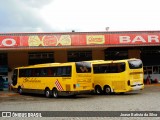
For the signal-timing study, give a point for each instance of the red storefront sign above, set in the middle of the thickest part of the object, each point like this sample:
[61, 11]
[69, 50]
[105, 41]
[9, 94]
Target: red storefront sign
[81, 39]
[135, 39]
[9, 41]
[46, 40]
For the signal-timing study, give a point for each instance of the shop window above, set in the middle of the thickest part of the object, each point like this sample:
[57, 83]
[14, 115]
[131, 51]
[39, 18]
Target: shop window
[116, 55]
[149, 55]
[39, 58]
[74, 56]
[155, 70]
[3, 64]
[3, 59]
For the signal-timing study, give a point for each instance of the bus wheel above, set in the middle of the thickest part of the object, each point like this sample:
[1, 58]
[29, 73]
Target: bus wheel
[20, 91]
[107, 90]
[47, 93]
[121, 93]
[55, 93]
[98, 90]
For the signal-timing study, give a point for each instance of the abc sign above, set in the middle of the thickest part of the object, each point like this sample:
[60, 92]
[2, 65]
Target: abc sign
[8, 42]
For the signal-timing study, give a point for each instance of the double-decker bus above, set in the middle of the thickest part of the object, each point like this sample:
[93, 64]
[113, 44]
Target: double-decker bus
[54, 79]
[117, 76]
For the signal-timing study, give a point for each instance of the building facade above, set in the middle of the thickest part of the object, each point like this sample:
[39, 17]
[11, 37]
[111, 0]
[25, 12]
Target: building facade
[21, 49]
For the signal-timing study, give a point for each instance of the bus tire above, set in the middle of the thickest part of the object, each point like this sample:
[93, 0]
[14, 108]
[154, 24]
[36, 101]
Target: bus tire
[73, 95]
[20, 91]
[47, 92]
[107, 90]
[121, 93]
[98, 90]
[55, 93]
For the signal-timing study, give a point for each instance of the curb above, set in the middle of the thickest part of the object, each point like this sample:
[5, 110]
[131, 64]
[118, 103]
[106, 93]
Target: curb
[152, 85]
[6, 93]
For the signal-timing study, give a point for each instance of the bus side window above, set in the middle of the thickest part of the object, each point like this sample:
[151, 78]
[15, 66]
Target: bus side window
[33, 73]
[52, 71]
[59, 71]
[64, 71]
[107, 69]
[96, 69]
[27, 72]
[121, 67]
[37, 72]
[113, 68]
[43, 72]
[68, 71]
[103, 69]
[21, 73]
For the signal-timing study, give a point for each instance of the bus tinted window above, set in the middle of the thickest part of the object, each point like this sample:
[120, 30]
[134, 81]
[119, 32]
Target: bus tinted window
[46, 72]
[134, 64]
[83, 67]
[109, 68]
[63, 71]
[25, 72]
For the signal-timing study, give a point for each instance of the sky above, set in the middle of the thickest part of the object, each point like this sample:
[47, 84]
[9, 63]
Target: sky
[79, 15]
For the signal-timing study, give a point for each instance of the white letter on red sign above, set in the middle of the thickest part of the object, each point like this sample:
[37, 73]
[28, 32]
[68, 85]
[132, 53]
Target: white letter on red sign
[12, 42]
[124, 39]
[153, 38]
[138, 38]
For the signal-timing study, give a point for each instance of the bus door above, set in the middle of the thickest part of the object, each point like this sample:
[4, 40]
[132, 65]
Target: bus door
[84, 75]
[14, 77]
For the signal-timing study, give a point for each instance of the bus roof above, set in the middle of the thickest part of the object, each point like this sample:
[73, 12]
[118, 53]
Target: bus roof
[42, 65]
[124, 60]
[111, 61]
[47, 65]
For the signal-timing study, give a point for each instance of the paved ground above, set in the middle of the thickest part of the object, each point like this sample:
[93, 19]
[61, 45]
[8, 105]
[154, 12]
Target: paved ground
[145, 100]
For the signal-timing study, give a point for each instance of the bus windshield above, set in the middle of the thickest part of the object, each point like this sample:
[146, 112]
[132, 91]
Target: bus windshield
[135, 64]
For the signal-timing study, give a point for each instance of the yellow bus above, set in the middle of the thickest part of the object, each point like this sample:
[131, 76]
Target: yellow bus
[54, 79]
[117, 76]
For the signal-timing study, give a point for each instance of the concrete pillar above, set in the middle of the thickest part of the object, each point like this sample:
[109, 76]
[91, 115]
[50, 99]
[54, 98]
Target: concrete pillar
[98, 55]
[60, 56]
[135, 53]
[16, 59]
